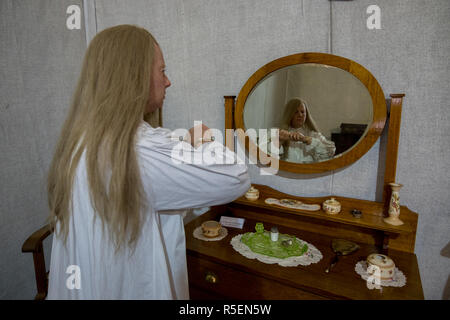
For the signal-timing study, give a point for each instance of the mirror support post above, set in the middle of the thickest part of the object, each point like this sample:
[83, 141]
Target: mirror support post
[392, 145]
[229, 117]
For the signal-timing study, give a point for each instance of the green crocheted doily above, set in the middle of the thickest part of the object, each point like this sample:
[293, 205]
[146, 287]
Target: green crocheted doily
[260, 242]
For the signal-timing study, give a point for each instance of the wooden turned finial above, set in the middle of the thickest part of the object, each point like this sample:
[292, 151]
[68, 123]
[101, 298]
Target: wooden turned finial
[392, 145]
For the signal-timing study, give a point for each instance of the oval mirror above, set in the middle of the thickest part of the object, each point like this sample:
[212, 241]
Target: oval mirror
[313, 112]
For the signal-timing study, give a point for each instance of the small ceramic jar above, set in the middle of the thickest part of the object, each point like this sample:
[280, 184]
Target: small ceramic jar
[380, 266]
[331, 206]
[274, 234]
[259, 227]
[211, 228]
[252, 194]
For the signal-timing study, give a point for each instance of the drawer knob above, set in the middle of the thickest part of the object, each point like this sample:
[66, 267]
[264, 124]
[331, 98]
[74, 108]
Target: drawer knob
[211, 277]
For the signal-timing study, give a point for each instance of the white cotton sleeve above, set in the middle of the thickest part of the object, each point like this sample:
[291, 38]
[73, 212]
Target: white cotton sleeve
[175, 184]
[324, 149]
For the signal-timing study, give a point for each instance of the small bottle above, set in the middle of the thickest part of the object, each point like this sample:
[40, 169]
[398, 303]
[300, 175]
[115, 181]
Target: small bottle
[274, 234]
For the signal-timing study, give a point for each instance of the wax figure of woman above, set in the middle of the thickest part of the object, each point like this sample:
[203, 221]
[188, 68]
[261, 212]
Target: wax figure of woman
[116, 195]
[301, 139]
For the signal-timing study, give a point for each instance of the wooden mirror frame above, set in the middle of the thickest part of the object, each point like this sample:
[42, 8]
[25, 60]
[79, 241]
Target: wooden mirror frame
[357, 70]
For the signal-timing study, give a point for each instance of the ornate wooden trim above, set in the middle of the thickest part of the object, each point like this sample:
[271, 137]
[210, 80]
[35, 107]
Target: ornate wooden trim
[369, 81]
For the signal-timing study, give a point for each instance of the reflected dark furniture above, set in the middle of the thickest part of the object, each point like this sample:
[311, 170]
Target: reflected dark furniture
[348, 137]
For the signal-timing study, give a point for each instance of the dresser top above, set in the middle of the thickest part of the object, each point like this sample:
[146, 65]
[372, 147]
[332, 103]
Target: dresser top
[341, 283]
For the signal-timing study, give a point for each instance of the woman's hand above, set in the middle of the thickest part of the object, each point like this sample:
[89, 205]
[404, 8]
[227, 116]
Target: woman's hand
[284, 135]
[203, 135]
[297, 136]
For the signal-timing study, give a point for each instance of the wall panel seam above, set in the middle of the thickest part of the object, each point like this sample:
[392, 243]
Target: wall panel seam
[90, 19]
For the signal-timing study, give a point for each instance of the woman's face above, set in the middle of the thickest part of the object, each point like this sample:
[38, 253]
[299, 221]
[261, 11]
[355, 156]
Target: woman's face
[159, 82]
[299, 117]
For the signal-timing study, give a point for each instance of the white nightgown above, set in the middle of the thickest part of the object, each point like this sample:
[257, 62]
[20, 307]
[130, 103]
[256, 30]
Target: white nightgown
[320, 148]
[157, 269]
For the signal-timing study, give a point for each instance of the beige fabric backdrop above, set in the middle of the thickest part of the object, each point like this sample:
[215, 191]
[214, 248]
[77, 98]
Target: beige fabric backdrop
[40, 61]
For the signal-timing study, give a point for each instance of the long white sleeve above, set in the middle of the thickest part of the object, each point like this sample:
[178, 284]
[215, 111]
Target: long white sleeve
[324, 149]
[156, 268]
[179, 185]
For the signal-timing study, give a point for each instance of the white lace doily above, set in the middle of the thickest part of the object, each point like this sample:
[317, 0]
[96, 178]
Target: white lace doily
[399, 279]
[198, 233]
[313, 255]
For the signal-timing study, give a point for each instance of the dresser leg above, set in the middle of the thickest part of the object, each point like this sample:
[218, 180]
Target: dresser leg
[385, 244]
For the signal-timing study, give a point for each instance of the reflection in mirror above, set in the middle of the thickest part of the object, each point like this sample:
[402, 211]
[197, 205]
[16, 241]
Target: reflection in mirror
[321, 112]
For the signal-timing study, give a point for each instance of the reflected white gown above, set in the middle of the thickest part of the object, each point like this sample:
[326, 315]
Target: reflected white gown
[320, 148]
[157, 269]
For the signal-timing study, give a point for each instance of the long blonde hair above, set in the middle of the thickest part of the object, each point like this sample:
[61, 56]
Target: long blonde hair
[107, 107]
[291, 108]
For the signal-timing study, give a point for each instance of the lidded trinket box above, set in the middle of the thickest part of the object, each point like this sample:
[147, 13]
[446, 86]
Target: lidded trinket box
[252, 193]
[380, 266]
[211, 228]
[331, 206]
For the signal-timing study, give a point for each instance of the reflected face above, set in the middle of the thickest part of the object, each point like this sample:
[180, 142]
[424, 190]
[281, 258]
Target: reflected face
[299, 117]
[159, 81]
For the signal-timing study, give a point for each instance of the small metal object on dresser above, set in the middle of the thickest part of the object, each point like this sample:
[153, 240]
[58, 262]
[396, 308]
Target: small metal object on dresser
[341, 247]
[211, 277]
[356, 213]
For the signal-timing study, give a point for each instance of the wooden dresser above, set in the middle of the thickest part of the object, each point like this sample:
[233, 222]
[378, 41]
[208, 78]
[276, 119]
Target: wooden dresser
[217, 271]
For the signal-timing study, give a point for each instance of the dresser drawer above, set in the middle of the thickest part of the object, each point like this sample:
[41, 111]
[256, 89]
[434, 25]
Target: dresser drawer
[230, 283]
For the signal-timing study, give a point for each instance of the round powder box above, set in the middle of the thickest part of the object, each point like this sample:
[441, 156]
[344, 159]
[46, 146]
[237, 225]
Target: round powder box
[211, 228]
[380, 266]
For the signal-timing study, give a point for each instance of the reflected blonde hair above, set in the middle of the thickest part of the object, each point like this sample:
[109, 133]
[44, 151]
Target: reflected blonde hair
[291, 108]
[107, 107]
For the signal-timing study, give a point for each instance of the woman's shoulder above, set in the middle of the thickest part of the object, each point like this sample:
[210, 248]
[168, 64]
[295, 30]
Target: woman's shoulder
[315, 134]
[147, 134]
